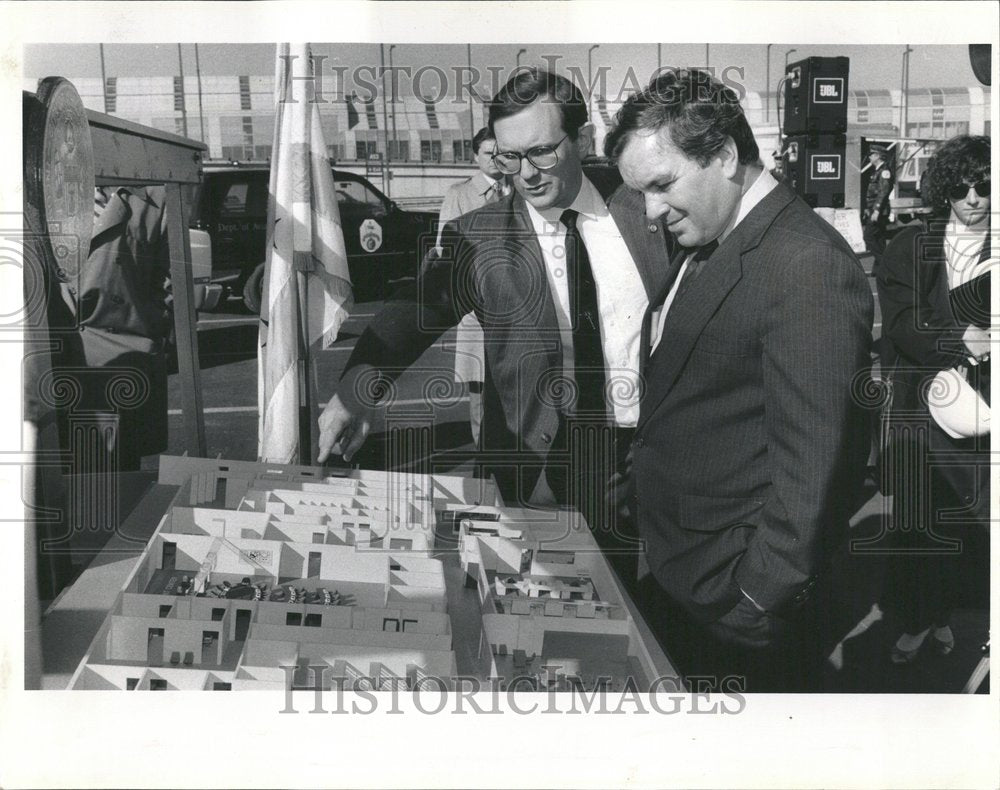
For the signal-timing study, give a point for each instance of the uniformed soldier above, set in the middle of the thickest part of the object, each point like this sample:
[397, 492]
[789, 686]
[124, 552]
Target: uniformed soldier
[876, 212]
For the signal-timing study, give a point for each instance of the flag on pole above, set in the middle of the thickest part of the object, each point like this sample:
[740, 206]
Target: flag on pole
[307, 288]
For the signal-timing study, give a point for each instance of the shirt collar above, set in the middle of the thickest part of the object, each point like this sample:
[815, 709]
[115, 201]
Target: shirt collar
[588, 202]
[489, 181]
[758, 190]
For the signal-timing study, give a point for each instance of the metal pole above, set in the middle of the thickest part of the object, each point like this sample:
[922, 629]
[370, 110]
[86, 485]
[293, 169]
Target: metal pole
[184, 113]
[780, 87]
[902, 88]
[104, 79]
[659, 57]
[395, 139]
[472, 120]
[767, 86]
[385, 126]
[706, 56]
[201, 111]
[590, 84]
[906, 92]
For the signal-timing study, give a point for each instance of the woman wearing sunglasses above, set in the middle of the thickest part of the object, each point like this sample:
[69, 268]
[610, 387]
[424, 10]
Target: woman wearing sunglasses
[934, 291]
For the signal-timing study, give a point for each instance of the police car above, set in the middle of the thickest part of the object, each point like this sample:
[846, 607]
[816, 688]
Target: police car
[229, 219]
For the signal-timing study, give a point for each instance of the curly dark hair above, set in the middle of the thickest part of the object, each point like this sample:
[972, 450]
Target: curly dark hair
[699, 111]
[962, 160]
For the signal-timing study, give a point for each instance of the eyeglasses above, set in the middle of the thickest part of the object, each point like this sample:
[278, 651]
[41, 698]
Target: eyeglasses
[542, 157]
[959, 191]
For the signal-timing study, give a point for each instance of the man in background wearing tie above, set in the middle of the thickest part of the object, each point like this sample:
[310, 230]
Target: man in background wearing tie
[750, 450]
[487, 186]
[559, 278]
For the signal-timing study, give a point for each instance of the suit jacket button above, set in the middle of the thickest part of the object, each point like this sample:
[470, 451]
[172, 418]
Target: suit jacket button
[653, 227]
[546, 438]
[639, 442]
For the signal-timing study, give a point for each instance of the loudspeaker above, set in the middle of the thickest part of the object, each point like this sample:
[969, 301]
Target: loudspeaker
[816, 96]
[979, 57]
[814, 168]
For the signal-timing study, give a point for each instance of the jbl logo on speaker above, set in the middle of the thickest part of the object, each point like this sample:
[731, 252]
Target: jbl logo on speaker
[824, 167]
[828, 90]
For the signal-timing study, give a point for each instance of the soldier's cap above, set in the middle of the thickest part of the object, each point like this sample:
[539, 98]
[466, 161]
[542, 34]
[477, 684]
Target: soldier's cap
[881, 150]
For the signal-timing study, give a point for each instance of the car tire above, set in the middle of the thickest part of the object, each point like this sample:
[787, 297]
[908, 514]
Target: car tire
[253, 290]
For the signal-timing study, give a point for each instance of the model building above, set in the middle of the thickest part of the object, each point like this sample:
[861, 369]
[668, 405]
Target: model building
[257, 574]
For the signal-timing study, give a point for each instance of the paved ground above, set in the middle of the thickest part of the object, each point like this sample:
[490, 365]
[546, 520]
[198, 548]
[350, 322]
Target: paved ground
[227, 341]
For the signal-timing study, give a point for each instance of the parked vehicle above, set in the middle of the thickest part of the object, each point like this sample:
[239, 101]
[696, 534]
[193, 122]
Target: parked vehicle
[384, 243]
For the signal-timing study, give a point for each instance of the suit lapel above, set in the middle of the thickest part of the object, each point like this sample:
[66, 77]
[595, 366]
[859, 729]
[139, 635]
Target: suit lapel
[935, 268]
[656, 302]
[686, 320]
[526, 281]
[688, 316]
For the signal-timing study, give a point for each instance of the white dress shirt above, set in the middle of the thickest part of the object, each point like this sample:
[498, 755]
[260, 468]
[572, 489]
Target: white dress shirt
[621, 295]
[758, 190]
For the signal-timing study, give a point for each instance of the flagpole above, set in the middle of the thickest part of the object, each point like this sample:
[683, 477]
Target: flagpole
[305, 385]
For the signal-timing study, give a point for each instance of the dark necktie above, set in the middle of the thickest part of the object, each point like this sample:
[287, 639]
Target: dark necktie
[588, 352]
[694, 267]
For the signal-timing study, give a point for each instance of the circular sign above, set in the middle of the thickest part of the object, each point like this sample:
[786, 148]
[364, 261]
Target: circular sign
[371, 235]
[66, 174]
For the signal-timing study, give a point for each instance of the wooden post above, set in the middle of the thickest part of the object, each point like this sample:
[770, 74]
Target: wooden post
[188, 364]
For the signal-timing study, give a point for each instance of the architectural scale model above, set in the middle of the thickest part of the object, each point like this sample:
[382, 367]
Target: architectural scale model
[257, 573]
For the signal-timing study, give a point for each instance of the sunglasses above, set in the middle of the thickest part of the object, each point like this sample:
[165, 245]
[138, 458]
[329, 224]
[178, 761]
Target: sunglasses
[959, 191]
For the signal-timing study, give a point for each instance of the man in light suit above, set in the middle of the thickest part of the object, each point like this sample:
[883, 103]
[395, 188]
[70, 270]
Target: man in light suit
[487, 186]
[750, 449]
[562, 338]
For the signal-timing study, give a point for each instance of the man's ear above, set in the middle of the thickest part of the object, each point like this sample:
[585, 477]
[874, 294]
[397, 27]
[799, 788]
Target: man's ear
[729, 158]
[584, 139]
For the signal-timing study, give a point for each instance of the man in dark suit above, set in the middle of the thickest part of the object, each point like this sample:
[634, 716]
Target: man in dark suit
[561, 309]
[115, 351]
[750, 448]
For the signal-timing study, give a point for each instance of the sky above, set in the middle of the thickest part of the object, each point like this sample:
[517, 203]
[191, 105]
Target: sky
[871, 66]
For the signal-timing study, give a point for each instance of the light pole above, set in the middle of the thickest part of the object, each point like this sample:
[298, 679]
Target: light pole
[104, 78]
[659, 58]
[767, 86]
[392, 83]
[518, 58]
[472, 121]
[590, 83]
[904, 102]
[184, 112]
[201, 110]
[386, 172]
[706, 56]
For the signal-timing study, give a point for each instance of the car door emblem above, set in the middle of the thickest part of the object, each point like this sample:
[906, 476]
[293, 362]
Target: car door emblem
[371, 235]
